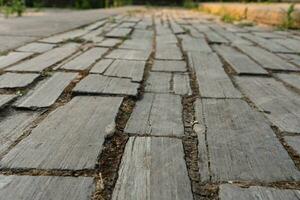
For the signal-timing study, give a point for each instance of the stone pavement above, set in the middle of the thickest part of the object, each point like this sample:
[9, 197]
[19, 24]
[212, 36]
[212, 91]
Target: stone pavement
[154, 104]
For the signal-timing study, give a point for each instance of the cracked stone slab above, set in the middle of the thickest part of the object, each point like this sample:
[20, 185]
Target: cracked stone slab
[127, 54]
[46, 187]
[157, 114]
[14, 80]
[137, 44]
[169, 66]
[241, 146]
[99, 84]
[46, 92]
[71, 137]
[109, 42]
[281, 106]
[168, 52]
[5, 99]
[232, 192]
[118, 33]
[36, 47]
[292, 44]
[293, 58]
[85, 60]
[132, 69]
[13, 58]
[266, 59]
[294, 142]
[194, 44]
[65, 36]
[291, 79]
[153, 168]
[212, 36]
[48, 59]
[241, 63]
[101, 66]
[12, 127]
[212, 79]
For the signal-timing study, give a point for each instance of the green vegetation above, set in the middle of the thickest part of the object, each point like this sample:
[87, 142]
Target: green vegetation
[10, 7]
[190, 4]
[227, 18]
[289, 21]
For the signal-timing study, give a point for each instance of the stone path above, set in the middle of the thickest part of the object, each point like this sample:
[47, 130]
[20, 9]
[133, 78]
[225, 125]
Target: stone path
[155, 104]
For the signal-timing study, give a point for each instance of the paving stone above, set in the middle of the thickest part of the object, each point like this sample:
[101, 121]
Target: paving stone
[14, 80]
[293, 58]
[212, 80]
[127, 54]
[94, 36]
[294, 142]
[13, 58]
[181, 84]
[69, 138]
[127, 25]
[241, 145]
[291, 79]
[153, 168]
[109, 42]
[281, 105]
[65, 36]
[101, 66]
[241, 63]
[138, 44]
[289, 43]
[169, 66]
[86, 59]
[166, 39]
[5, 99]
[212, 36]
[132, 69]
[36, 47]
[142, 34]
[99, 84]
[46, 187]
[267, 59]
[157, 114]
[176, 28]
[158, 82]
[95, 25]
[195, 44]
[13, 125]
[48, 59]
[47, 92]
[119, 33]
[232, 192]
[168, 52]
[193, 32]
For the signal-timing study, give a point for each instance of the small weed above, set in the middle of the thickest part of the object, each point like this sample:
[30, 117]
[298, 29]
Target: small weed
[289, 21]
[227, 18]
[190, 4]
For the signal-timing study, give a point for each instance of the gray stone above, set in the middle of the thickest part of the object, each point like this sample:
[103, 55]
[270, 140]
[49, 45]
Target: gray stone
[127, 25]
[176, 28]
[5, 99]
[292, 44]
[9, 42]
[293, 58]
[47, 92]
[36, 47]
[291, 79]
[137, 44]
[65, 36]
[294, 142]
[14, 80]
[166, 39]
[85, 60]
[232, 192]
[96, 25]
[47, 59]
[153, 168]
[109, 42]
[101, 66]
[168, 52]
[119, 33]
[157, 114]
[158, 82]
[132, 69]
[211, 35]
[280, 105]
[169, 66]
[212, 80]
[99, 84]
[142, 34]
[194, 44]
[69, 138]
[241, 145]
[12, 126]
[241, 63]
[46, 187]
[13, 58]
[181, 84]
[130, 54]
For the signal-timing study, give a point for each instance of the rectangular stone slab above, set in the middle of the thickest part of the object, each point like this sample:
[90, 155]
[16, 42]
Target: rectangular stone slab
[157, 114]
[36, 47]
[169, 66]
[119, 33]
[194, 44]
[294, 142]
[85, 60]
[101, 66]
[99, 84]
[266, 59]
[291, 79]
[138, 44]
[12, 127]
[69, 138]
[181, 84]
[241, 63]
[109, 42]
[158, 82]
[132, 69]
[212, 80]
[65, 36]
[46, 187]
[292, 44]
[41, 62]
[241, 145]
[153, 168]
[293, 58]
[14, 80]
[168, 52]
[47, 92]
[127, 54]
[232, 192]
[13, 58]
[281, 106]
[5, 99]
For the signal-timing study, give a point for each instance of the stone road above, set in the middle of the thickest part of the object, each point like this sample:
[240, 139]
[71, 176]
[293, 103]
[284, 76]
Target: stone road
[152, 104]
